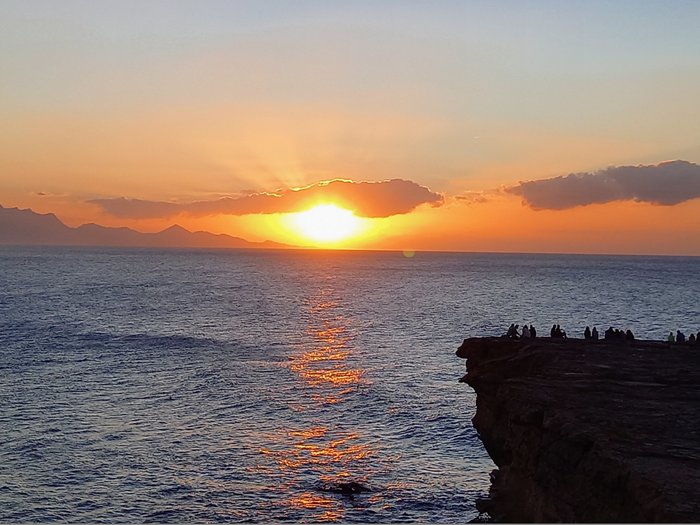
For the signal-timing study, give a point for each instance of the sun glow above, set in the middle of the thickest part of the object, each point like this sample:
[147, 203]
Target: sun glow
[326, 223]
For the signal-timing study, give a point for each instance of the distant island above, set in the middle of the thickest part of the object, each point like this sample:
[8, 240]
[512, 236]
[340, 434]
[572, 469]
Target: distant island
[26, 227]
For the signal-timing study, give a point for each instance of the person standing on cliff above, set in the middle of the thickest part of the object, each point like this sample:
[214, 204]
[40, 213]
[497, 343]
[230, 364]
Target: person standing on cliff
[671, 338]
[594, 334]
[553, 331]
[587, 333]
[526, 332]
[533, 332]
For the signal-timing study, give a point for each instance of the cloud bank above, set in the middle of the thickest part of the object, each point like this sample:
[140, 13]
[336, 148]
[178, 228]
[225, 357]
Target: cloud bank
[664, 184]
[366, 199]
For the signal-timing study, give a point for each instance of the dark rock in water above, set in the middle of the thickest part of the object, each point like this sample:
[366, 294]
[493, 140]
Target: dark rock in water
[591, 431]
[347, 488]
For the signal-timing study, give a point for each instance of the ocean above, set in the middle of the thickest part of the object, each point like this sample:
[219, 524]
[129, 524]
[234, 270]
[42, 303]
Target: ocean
[231, 385]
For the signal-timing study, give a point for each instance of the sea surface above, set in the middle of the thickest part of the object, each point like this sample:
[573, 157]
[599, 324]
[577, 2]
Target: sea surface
[184, 385]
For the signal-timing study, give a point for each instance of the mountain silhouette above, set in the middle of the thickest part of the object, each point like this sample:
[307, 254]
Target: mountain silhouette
[28, 227]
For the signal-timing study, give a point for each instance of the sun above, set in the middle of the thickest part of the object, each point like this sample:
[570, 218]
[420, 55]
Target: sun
[325, 223]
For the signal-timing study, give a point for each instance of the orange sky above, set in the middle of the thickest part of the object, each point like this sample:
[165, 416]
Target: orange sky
[461, 101]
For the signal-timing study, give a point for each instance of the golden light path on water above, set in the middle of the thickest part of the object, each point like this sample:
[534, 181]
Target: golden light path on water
[334, 455]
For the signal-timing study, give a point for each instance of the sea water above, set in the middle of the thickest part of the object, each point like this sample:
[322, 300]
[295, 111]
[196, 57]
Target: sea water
[194, 385]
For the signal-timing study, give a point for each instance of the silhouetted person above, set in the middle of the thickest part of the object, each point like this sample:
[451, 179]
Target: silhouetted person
[691, 338]
[553, 331]
[594, 334]
[558, 332]
[526, 332]
[609, 333]
[671, 338]
[629, 336]
[587, 333]
[533, 332]
[513, 331]
[680, 337]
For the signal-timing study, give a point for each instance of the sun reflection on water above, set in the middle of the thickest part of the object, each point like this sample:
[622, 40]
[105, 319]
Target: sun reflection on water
[316, 465]
[327, 507]
[323, 364]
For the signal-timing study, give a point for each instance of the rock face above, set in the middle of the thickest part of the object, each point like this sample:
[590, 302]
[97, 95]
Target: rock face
[587, 431]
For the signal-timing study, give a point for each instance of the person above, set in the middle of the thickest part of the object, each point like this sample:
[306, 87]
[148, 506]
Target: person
[533, 332]
[629, 336]
[671, 338]
[512, 331]
[680, 337]
[587, 333]
[609, 333]
[558, 332]
[553, 331]
[526, 332]
[691, 338]
[594, 334]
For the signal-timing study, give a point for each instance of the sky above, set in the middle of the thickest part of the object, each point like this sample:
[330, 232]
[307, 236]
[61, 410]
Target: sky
[509, 126]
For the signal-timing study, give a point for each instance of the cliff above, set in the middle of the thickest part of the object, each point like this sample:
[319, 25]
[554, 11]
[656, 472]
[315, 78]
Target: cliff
[585, 431]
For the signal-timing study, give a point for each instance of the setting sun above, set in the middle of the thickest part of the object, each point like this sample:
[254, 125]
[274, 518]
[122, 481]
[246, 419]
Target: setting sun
[325, 223]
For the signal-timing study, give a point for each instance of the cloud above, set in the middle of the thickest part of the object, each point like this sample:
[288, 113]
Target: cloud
[48, 194]
[665, 184]
[366, 199]
[479, 197]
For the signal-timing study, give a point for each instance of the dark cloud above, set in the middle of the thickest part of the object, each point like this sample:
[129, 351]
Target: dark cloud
[366, 199]
[666, 184]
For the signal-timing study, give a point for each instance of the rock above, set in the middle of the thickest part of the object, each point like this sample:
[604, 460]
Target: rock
[346, 487]
[588, 431]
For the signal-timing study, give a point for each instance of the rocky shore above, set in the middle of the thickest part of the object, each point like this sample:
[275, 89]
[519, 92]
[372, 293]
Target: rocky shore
[588, 431]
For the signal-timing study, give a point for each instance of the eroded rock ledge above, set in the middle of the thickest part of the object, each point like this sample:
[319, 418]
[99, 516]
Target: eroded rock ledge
[586, 431]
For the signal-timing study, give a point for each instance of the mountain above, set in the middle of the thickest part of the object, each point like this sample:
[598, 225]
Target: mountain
[28, 227]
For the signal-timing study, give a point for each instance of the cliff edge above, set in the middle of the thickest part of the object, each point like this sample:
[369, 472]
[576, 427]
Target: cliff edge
[588, 431]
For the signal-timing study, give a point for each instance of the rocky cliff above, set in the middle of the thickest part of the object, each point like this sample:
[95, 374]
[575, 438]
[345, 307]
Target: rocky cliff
[585, 431]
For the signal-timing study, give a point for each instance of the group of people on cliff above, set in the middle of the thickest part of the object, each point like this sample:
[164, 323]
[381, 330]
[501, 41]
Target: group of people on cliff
[611, 334]
[527, 332]
[557, 333]
[681, 338]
